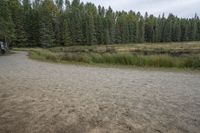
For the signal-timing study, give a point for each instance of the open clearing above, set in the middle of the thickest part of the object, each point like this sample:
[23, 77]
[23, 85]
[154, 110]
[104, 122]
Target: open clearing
[39, 97]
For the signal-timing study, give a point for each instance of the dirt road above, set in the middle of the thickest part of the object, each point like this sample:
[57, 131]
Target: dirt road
[39, 97]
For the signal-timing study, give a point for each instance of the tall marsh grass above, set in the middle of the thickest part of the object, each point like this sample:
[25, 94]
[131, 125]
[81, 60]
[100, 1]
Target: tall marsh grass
[44, 54]
[187, 61]
[102, 55]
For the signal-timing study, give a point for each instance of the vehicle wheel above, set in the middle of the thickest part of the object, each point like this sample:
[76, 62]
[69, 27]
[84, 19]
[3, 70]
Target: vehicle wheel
[3, 51]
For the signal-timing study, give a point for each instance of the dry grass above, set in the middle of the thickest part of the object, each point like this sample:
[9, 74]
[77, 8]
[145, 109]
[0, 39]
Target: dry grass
[187, 47]
[178, 55]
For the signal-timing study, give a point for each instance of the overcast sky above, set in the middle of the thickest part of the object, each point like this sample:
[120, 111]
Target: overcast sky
[181, 8]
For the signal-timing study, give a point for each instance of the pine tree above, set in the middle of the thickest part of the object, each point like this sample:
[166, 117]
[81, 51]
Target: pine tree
[99, 29]
[67, 40]
[110, 18]
[184, 30]
[27, 20]
[47, 36]
[17, 17]
[7, 29]
[124, 30]
[149, 28]
[198, 29]
[132, 22]
[90, 30]
[35, 27]
[167, 29]
[118, 37]
[106, 35]
[21, 39]
[177, 33]
[140, 29]
[193, 30]
[76, 23]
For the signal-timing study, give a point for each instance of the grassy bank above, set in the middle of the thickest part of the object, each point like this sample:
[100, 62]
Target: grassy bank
[186, 55]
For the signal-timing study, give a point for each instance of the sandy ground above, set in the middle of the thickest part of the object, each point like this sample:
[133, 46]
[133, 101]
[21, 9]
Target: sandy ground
[39, 97]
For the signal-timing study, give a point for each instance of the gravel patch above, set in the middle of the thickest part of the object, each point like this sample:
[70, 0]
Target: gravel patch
[40, 97]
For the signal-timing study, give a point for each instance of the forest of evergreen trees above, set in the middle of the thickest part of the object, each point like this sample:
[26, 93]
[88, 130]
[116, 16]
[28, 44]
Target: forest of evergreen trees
[48, 23]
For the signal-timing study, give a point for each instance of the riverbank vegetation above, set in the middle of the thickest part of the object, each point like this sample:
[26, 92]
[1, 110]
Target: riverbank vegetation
[176, 55]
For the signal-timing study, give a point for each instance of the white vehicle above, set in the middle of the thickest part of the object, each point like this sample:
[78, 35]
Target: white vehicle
[3, 47]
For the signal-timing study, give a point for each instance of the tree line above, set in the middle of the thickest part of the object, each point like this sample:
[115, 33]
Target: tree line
[49, 23]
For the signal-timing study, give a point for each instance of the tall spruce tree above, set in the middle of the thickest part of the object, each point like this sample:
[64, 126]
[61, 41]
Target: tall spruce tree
[132, 22]
[47, 35]
[140, 28]
[7, 27]
[17, 17]
[76, 22]
[110, 18]
[67, 40]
